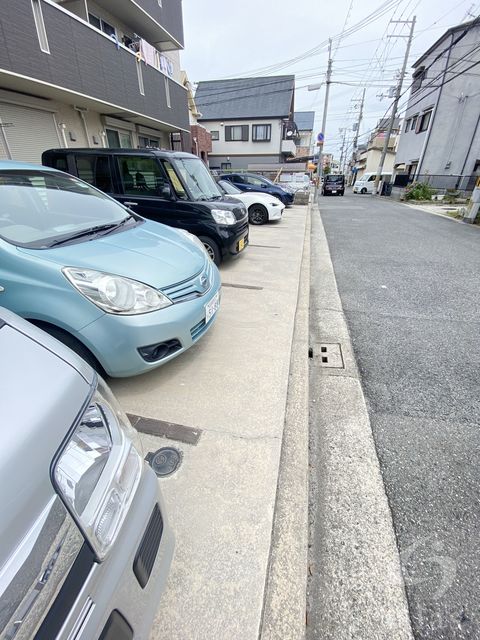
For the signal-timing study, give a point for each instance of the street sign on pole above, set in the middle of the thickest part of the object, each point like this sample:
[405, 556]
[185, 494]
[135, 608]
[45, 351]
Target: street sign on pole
[320, 138]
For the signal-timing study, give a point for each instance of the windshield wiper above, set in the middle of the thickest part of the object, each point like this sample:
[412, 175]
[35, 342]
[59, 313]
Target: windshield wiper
[90, 231]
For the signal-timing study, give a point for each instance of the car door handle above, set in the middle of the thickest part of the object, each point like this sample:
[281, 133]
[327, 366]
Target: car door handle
[130, 204]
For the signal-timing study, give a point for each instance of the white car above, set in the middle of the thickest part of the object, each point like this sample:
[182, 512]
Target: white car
[262, 207]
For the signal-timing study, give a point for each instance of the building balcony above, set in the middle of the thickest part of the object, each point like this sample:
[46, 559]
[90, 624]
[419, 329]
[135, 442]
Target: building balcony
[80, 65]
[160, 25]
[289, 148]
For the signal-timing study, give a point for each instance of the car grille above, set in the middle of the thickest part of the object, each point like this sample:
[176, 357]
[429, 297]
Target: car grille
[147, 551]
[192, 288]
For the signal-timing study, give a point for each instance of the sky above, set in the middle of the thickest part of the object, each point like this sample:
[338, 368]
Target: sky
[226, 39]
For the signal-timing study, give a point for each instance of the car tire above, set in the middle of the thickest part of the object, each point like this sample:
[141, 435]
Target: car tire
[75, 345]
[363, 191]
[212, 249]
[257, 214]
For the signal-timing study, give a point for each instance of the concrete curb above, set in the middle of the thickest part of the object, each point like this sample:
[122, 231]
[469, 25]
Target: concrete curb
[286, 581]
[356, 588]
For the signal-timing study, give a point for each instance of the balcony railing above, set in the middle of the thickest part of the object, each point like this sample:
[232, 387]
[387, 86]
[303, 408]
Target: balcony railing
[289, 147]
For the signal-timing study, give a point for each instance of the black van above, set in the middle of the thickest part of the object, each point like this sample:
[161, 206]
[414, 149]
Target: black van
[333, 185]
[171, 187]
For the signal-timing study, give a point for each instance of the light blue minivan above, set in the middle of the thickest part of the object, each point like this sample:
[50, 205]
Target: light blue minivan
[125, 293]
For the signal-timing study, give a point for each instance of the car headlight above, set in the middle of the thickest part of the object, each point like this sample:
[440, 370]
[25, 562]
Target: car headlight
[116, 294]
[222, 216]
[98, 471]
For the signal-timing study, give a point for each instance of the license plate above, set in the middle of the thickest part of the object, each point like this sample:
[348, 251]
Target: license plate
[241, 244]
[212, 307]
[334, 191]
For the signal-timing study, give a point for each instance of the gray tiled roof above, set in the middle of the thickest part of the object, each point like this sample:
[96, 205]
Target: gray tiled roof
[269, 97]
[304, 120]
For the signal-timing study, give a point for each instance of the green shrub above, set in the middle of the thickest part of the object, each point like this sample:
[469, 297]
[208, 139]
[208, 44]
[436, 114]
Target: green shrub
[419, 191]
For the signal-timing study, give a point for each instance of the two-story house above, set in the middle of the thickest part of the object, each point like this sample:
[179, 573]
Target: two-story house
[90, 73]
[250, 121]
[440, 140]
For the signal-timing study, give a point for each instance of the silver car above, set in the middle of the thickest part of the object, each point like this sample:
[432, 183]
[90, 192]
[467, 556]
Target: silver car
[85, 549]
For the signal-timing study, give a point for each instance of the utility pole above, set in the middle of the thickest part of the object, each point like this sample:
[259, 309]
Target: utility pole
[343, 149]
[398, 92]
[325, 110]
[357, 133]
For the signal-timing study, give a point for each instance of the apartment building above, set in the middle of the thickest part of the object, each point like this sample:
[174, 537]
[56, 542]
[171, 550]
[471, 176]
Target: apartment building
[250, 121]
[440, 140]
[90, 73]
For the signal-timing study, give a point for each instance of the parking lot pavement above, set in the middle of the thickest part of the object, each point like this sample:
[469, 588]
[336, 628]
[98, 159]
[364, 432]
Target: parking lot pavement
[232, 386]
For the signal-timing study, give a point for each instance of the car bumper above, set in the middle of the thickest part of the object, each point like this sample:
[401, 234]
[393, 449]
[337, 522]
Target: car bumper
[275, 213]
[112, 585]
[235, 240]
[115, 340]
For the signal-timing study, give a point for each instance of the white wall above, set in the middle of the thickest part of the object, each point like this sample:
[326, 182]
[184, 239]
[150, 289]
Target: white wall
[220, 147]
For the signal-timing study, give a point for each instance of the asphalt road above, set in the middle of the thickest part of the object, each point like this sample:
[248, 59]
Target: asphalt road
[409, 282]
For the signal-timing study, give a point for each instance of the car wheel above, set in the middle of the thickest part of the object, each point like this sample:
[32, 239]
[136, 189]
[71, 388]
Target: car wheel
[257, 214]
[212, 249]
[75, 345]
[363, 191]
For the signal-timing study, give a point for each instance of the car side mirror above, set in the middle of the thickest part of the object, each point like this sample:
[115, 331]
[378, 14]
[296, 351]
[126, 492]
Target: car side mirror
[166, 192]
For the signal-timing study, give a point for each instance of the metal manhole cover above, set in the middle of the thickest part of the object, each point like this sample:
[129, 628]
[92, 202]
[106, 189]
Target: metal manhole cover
[165, 461]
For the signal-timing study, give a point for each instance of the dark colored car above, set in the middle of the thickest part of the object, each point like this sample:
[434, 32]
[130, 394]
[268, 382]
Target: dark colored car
[170, 187]
[253, 182]
[333, 185]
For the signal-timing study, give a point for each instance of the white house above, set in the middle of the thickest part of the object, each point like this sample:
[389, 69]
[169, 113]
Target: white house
[250, 121]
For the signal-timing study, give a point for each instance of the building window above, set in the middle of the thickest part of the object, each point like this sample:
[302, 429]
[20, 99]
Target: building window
[167, 92]
[424, 121]
[101, 25]
[236, 133]
[414, 123]
[418, 78]
[40, 26]
[261, 132]
[407, 125]
[224, 166]
[118, 139]
[144, 142]
[176, 141]
[215, 135]
[141, 86]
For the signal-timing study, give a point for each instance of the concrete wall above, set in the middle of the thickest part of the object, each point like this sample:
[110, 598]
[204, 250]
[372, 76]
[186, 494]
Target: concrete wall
[235, 148]
[243, 162]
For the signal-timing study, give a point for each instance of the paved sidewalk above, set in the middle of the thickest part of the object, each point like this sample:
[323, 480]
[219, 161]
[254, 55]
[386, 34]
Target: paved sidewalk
[232, 386]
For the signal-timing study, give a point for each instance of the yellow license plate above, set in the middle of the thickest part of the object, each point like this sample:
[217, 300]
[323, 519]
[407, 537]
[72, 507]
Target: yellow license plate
[241, 244]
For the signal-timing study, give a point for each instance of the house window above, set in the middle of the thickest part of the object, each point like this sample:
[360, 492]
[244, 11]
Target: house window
[176, 141]
[215, 135]
[101, 25]
[418, 78]
[414, 123]
[424, 121]
[167, 92]
[262, 132]
[407, 125]
[225, 166]
[144, 142]
[236, 133]
[40, 26]
[118, 139]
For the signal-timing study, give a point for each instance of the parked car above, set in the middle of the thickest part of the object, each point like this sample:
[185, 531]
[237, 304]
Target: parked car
[85, 547]
[366, 182]
[262, 207]
[171, 187]
[125, 293]
[333, 185]
[253, 182]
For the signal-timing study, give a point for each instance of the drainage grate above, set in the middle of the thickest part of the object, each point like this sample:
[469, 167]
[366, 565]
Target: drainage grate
[330, 355]
[165, 461]
[169, 430]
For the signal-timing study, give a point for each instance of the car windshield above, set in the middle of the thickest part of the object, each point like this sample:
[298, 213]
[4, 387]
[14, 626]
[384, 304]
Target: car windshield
[229, 188]
[334, 178]
[197, 178]
[40, 208]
